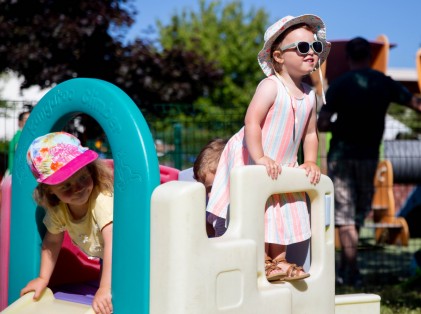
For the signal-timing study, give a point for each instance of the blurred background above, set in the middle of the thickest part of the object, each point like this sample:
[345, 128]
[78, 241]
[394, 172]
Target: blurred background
[190, 66]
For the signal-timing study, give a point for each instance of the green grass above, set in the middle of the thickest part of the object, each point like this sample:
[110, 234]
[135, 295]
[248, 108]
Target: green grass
[401, 298]
[387, 272]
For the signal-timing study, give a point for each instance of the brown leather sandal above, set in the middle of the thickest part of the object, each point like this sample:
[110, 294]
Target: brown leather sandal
[293, 271]
[272, 271]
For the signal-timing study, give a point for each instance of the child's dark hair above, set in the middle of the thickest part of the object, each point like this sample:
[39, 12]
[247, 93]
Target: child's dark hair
[22, 115]
[102, 176]
[358, 49]
[27, 109]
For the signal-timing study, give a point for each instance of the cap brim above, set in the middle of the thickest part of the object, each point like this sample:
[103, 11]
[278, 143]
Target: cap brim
[70, 168]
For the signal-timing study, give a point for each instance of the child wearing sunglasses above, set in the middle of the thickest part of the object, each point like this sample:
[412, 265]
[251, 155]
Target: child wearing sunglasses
[76, 190]
[281, 115]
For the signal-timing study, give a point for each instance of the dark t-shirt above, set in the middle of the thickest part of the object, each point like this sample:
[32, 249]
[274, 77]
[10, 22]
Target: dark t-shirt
[360, 99]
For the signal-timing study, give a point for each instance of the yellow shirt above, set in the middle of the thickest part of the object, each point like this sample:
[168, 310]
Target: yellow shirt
[84, 232]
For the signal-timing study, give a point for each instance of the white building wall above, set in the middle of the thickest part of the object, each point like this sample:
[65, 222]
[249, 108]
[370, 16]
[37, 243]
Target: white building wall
[10, 90]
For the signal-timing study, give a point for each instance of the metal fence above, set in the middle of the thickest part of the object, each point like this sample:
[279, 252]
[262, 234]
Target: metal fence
[178, 141]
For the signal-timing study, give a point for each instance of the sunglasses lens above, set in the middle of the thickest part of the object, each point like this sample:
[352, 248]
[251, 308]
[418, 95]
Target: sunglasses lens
[317, 47]
[303, 47]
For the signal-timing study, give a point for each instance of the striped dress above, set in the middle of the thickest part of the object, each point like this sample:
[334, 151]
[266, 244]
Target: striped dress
[286, 216]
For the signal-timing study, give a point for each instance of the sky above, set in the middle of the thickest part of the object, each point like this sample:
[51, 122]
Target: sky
[400, 21]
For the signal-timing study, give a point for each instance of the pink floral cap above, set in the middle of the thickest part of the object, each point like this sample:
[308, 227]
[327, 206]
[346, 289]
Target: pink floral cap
[55, 157]
[273, 32]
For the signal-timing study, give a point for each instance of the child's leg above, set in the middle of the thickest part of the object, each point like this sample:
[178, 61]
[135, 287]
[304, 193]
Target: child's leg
[274, 250]
[273, 272]
[292, 271]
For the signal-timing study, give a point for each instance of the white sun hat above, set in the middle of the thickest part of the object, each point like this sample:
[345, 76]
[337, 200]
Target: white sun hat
[275, 30]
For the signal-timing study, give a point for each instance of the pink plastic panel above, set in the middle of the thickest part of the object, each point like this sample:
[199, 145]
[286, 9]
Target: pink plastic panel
[6, 193]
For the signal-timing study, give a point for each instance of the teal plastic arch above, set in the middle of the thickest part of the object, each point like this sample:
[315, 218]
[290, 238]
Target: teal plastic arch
[136, 176]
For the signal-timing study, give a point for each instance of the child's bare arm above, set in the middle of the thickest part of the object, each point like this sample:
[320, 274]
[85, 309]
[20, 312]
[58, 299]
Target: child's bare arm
[102, 301]
[259, 106]
[310, 148]
[51, 246]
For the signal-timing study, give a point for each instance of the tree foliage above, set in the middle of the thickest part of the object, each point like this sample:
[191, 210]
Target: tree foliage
[50, 41]
[169, 76]
[228, 36]
[408, 117]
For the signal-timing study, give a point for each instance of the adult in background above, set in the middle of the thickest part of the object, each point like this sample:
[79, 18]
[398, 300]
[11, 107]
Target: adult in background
[359, 99]
[13, 144]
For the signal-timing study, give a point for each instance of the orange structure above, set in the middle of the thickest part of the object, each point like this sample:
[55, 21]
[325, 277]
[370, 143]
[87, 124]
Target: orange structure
[389, 228]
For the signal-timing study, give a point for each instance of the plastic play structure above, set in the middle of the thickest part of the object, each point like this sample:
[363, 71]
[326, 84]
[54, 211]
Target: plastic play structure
[163, 261]
[389, 228]
[73, 266]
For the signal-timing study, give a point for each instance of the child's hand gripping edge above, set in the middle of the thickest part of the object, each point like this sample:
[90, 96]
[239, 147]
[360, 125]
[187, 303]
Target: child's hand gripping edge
[312, 171]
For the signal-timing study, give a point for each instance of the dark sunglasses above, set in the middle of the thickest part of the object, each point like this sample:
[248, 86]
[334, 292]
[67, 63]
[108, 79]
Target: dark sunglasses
[303, 47]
